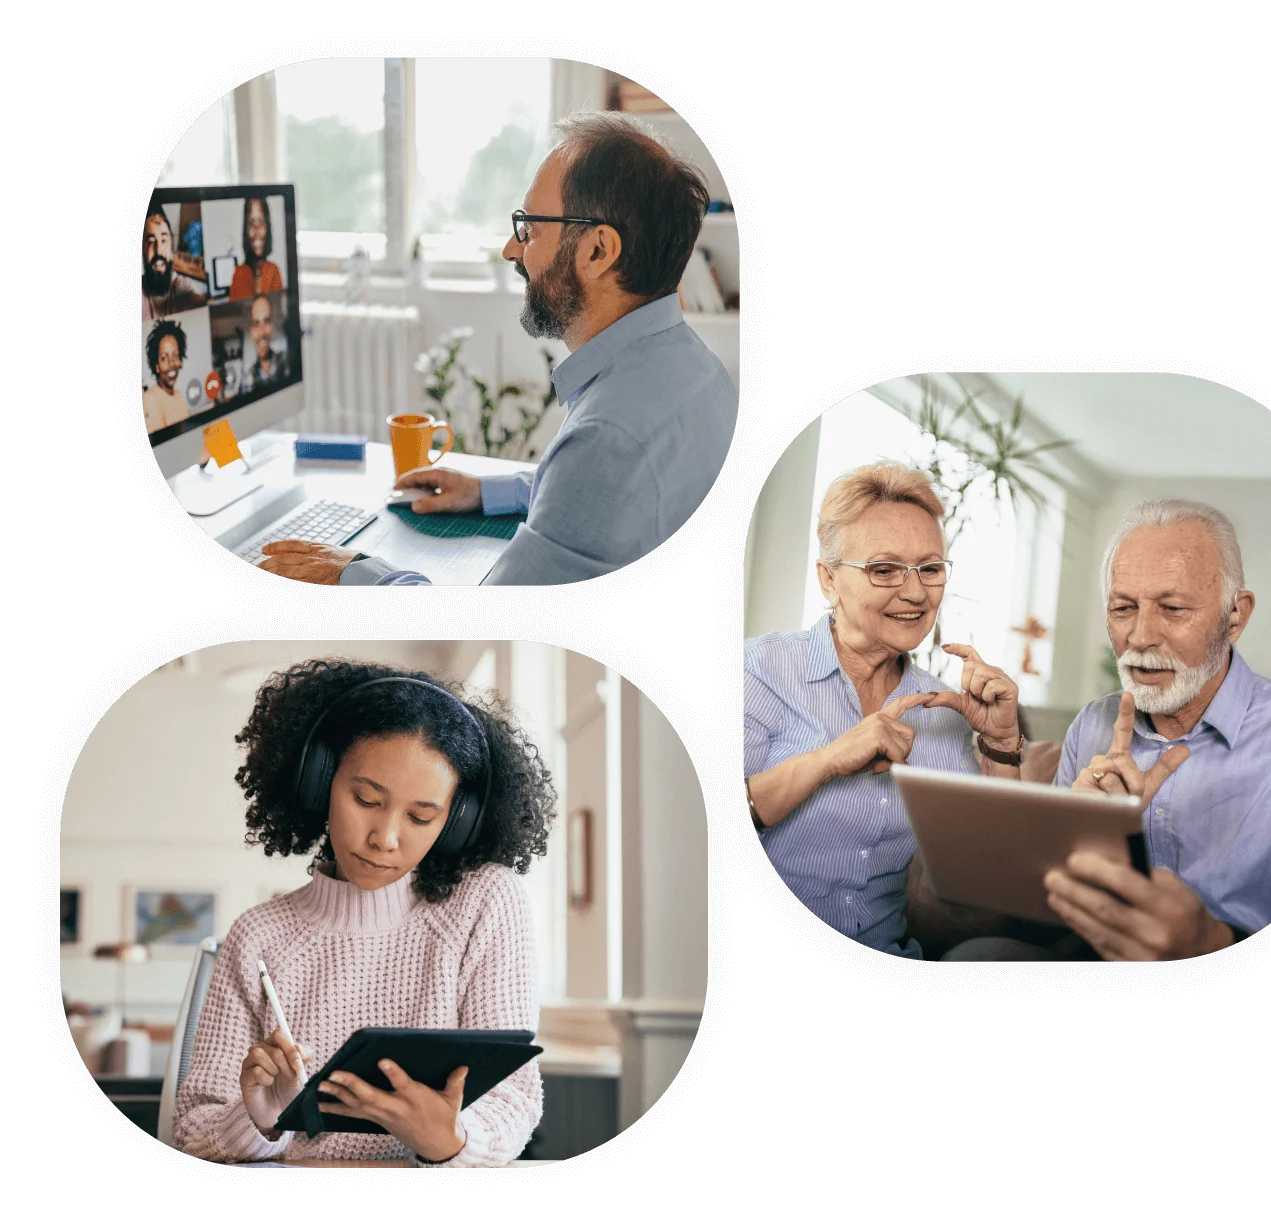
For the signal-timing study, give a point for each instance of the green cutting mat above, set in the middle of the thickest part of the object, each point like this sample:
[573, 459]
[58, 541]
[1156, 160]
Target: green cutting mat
[448, 525]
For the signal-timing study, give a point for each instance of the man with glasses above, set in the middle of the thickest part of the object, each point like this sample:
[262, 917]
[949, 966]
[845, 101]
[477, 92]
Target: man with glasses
[607, 228]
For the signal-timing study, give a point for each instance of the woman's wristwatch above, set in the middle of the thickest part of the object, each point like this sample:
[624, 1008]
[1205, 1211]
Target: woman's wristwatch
[1014, 758]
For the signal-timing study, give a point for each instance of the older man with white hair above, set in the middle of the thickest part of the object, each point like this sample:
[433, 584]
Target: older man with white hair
[1191, 735]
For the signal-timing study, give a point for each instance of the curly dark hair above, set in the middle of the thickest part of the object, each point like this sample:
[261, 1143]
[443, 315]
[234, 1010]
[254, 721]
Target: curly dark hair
[269, 227]
[162, 330]
[522, 799]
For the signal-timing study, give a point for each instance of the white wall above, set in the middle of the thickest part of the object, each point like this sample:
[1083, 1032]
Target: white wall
[1247, 502]
[777, 549]
[673, 897]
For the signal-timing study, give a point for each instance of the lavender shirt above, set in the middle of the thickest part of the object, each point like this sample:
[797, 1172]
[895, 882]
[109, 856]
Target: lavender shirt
[1210, 823]
[845, 851]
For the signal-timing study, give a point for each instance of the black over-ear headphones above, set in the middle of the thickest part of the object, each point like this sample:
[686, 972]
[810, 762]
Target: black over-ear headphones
[318, 762]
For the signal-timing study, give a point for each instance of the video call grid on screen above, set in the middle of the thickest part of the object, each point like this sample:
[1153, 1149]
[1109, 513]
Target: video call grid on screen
[220, 314]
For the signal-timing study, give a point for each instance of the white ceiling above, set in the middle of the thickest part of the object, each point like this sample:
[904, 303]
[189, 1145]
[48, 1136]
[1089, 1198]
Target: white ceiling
[1151, 424]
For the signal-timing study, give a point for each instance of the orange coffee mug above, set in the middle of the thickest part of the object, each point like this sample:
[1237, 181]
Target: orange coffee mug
[412, 440]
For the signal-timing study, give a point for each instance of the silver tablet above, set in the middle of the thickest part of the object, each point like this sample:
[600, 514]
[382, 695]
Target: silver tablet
[989, 842]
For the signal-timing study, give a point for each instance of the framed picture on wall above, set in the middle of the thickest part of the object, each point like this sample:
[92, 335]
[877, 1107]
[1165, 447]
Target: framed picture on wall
[72, 904]
[169, 918]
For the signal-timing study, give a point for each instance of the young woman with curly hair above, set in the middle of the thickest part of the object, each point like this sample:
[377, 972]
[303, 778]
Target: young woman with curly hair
[403, 924]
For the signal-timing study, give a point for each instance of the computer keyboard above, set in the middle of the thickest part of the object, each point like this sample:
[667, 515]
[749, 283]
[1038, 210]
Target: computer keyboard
[322, 521]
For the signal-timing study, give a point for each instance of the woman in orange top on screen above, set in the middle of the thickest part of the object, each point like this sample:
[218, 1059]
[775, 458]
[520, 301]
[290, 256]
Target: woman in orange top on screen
[257, 275]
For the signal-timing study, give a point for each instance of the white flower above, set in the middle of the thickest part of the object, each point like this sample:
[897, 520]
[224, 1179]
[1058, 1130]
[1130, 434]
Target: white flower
[424, 364]
[462, 333]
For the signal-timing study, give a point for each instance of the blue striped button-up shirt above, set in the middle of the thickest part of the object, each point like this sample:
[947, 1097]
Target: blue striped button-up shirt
[845, 851]
[1210, 823]
[650, 414]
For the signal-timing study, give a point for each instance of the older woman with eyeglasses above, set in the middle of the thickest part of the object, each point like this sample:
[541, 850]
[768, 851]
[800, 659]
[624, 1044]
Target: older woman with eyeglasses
[830, 709]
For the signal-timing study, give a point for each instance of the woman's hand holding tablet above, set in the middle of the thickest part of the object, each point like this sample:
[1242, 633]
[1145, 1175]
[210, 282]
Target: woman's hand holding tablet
[426, 1120]
[271, 1079]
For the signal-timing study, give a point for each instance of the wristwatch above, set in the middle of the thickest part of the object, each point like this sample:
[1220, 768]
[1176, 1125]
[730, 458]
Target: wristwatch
[1014, 758]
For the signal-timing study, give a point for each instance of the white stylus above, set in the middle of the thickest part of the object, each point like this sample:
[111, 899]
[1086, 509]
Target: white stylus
[276, 1007]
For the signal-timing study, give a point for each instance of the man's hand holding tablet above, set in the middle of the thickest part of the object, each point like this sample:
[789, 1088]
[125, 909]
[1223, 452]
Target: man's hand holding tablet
[1122, 914]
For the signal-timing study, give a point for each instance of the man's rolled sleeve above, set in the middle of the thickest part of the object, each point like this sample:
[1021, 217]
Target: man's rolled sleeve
[502, 494]
[370, 570]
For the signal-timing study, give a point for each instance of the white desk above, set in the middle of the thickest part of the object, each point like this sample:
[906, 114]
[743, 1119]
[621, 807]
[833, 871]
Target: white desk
[273, 465]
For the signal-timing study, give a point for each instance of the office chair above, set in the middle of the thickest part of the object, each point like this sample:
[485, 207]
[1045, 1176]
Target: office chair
[183, 1034]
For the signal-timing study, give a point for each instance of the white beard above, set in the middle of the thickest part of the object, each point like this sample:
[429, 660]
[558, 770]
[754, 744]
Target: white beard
[1188, 679]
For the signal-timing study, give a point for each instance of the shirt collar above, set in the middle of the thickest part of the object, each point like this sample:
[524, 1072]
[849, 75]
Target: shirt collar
[1226, 710]
[599, 351]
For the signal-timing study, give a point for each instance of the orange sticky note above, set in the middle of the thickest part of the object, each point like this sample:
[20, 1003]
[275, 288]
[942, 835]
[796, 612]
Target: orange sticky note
[221, 442]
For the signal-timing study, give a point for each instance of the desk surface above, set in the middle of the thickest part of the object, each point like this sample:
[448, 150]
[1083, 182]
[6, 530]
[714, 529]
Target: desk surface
[273, 466]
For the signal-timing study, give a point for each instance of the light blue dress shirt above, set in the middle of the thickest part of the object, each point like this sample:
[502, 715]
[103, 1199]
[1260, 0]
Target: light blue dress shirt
[845, 851]
[650, 412]
[1210, 823]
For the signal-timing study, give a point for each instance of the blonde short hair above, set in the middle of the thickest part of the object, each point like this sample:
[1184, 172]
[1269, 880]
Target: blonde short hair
[852, 494]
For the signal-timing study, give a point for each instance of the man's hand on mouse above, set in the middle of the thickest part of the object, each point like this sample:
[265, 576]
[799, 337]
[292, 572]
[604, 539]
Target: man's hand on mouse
[440, 490]
[310, 562]
[1126, 916]
[426, 1120]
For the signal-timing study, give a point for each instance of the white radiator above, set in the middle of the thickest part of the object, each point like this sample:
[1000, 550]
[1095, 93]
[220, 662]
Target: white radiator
[358, 366]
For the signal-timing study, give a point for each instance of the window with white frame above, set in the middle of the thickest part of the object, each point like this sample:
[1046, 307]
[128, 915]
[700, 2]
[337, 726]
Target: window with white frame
[473, 161]
[462, 137]
[330, 124]
[1003, 593]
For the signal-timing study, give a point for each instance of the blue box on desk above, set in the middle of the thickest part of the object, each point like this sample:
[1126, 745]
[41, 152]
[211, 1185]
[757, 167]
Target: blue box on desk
[319, 446]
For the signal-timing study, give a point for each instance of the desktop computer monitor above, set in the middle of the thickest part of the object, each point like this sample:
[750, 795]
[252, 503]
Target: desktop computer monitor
[220, 315]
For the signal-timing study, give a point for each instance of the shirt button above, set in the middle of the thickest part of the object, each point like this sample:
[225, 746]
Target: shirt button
[848, 900]
[864, 854]
[883, 802]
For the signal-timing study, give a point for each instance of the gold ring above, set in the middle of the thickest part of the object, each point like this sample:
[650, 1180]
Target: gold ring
[1097, 775]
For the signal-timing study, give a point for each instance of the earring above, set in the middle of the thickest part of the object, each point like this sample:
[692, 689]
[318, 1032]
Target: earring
[830, 610]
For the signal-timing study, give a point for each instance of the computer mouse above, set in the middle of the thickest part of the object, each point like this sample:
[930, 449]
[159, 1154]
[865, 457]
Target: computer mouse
[406, 497]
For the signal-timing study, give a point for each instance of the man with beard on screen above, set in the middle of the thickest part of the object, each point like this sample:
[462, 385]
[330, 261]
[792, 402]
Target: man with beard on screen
[607, 228]
[164, 290]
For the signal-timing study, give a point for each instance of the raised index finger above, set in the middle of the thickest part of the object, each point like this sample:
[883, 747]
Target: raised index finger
[907, 702]
[964, 651]
[1123, 729]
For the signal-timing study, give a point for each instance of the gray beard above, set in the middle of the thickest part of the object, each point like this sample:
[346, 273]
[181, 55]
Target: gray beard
[1188, 679]
[553, 301]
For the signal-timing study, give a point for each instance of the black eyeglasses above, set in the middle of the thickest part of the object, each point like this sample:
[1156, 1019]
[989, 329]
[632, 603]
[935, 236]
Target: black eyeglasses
[893, 575]
[520, 220]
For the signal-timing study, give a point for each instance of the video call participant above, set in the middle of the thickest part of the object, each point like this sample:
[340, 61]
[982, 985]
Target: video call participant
[387, 933]
[257, 275]
[164, 289]
[610, 221]
[269, 366]
[165, 353]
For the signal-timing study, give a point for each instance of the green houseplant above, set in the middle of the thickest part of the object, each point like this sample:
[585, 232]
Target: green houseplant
[497, 421]
[971, 450]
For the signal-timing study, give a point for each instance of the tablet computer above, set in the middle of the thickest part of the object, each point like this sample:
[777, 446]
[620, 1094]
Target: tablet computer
[426, 1055]
[989, 842]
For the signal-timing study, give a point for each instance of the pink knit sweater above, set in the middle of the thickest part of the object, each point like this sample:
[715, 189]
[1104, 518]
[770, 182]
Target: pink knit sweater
[343, 959]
